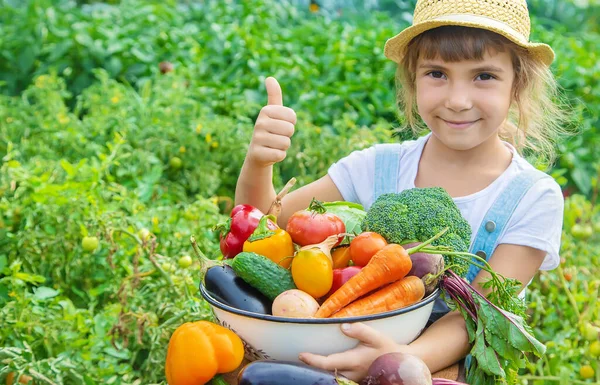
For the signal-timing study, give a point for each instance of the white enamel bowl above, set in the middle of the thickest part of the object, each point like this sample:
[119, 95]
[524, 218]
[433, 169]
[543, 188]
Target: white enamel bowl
[279, 338]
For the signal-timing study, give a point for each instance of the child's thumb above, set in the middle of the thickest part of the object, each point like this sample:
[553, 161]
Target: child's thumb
[365, 334]
[274, 92]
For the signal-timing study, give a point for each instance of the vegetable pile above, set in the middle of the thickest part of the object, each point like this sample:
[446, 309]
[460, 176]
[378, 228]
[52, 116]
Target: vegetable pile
[335, 260]
[293, 272]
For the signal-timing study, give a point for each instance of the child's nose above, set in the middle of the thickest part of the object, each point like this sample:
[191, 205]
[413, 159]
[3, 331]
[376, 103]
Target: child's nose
[458, 98]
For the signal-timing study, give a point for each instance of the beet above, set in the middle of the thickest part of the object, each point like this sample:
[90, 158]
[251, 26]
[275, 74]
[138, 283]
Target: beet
[398, 369]
[423, 264]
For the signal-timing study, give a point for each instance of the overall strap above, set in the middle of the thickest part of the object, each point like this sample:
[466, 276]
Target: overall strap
[497, 217]
[387, 167]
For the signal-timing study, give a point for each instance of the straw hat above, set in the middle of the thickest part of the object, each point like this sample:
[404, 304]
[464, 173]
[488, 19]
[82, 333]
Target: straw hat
[509, 18]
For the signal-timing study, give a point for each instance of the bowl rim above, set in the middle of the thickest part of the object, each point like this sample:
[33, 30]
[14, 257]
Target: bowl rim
[267, 317]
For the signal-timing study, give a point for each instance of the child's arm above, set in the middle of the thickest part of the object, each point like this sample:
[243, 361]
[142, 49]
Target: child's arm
[271, 138]
[446, 341]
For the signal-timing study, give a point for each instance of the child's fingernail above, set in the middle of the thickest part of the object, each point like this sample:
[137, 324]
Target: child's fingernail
[301, 357]
[346, 327]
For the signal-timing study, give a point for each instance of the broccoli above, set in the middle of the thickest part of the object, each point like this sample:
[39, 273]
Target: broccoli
[417, 214]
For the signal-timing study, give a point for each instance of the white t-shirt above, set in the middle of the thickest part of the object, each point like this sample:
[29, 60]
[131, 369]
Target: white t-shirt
[536, 222]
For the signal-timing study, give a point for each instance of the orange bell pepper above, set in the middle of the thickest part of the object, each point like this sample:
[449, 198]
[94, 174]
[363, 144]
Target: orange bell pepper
[276, 244]
[199, 350]
[341, 256]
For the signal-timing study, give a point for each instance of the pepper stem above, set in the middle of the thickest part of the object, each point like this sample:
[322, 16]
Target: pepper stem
[223, 228]
[218, 380]
[262, 230]
[345, 381]
[275, 208]
[205, 262]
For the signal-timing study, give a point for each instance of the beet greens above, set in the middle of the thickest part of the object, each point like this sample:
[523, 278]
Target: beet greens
[496, 325]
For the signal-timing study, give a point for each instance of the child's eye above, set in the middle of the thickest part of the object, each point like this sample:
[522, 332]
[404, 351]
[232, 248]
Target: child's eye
[485, 76]
[436, 74]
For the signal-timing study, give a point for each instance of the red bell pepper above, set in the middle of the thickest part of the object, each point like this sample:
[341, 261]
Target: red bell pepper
[238, 228]
[341, 276]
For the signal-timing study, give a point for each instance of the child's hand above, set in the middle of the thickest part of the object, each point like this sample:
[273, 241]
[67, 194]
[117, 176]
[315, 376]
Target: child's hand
[273, 129]
[354, 363]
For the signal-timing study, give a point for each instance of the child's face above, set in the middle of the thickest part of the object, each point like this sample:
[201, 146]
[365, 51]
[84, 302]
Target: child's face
[465, 103]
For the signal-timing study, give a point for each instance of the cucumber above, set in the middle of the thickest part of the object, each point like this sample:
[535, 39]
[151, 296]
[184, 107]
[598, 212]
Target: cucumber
[263, 274]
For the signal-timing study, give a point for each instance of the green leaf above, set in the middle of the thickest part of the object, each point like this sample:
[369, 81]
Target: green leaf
[3, 262]
[582, 179]
[510, 327]
[68, 167]
[3, 294]
[44, 292]
[486, 356]
[26, 58]
[471, 327]
[122, 354]
[31, 278]
[145, 57]
[502, 346]
[351, 213]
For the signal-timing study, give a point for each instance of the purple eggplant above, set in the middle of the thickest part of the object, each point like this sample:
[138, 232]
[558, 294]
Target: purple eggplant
[226, 287]
[287, 373]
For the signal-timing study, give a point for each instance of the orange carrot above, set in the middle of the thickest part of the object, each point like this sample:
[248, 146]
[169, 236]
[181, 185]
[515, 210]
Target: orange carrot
[388, 265]
[394, 296]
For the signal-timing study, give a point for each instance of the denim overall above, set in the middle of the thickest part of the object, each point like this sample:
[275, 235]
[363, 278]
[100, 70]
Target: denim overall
[387, 166]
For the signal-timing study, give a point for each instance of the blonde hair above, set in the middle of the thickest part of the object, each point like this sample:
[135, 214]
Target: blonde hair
[536, 118]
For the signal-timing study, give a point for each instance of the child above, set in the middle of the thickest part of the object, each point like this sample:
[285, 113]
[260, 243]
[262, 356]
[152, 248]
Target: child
[484, 92]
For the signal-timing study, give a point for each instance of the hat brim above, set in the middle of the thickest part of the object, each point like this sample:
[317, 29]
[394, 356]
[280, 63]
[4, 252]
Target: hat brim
[395, 47]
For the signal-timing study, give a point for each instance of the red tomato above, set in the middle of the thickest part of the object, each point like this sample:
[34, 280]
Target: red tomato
[314, 225]
[364, 247]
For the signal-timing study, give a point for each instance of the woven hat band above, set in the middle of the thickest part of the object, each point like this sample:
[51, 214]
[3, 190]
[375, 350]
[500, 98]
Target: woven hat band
[484, 21]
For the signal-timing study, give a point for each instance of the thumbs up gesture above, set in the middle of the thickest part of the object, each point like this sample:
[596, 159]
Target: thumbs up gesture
[273, 129]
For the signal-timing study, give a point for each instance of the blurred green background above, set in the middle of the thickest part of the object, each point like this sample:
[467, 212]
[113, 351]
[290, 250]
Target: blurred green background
[121, 119]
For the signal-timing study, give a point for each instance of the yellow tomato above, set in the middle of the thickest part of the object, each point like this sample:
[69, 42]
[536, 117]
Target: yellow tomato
[312, 271]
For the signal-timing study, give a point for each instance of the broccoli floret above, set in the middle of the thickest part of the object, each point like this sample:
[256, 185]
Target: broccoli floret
[418, 214]
[454, 241]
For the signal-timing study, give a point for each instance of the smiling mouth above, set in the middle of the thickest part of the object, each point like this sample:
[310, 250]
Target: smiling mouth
[460, 124]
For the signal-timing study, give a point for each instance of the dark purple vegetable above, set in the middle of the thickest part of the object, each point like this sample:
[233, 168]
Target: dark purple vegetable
[398, 369]
[226, 287]
[423, 264]
[287, 373]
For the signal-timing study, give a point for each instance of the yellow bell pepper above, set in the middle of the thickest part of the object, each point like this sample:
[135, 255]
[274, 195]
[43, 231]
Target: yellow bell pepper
[276, 244]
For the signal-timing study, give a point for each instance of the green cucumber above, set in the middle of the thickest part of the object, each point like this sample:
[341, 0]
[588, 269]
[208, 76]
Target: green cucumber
[263, 274]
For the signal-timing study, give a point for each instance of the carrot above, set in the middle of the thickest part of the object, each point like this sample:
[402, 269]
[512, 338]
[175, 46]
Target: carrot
[388, 265]
[394, 296]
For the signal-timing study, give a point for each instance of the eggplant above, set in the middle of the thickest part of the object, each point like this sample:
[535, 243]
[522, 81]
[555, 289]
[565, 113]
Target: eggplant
[225, 286]
[287, 373]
